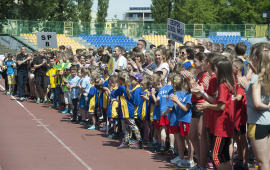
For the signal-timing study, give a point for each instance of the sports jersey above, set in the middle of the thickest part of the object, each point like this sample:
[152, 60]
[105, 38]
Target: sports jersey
[142, 111]
[92, 100]
[10, 69]
[224, 120]
[135, 98]
[164, 94]
[185, 116]
[187, 63]
[53, 80]
[103, 101]
[86, 84]
[126, 108]
[111, 109]
[201, 76]
[241, 108]
[74, 91]
[67, 76]
[210, 90]
[150, 109]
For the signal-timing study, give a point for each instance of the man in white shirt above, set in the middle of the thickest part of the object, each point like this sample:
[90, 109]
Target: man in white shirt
[141, 46]
[204, 43]
[120, 60]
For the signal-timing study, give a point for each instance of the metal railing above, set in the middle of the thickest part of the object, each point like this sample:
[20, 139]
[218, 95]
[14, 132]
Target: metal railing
[130, 29]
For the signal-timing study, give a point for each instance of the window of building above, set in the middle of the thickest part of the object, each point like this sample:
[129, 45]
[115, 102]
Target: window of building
[135, 15]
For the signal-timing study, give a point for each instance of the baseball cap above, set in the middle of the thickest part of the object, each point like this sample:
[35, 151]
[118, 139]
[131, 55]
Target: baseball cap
[137, 76]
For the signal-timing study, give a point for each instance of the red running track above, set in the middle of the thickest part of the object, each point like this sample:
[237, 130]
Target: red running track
[36, 137]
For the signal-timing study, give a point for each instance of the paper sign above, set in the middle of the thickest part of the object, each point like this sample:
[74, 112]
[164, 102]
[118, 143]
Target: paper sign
[46, 40]
[175, 30]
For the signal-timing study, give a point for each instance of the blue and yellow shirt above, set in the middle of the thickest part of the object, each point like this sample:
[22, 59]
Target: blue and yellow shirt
[92, 100]
[103, 102]
[111, 109]
[126, 106]
[142, 112]
[136, 92]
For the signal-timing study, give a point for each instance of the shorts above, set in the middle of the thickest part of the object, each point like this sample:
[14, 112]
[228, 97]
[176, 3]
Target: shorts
[195, 113]
[173, 129]
[240, 129]
[11, 79]
[67, 98]
[184, 128]
[164, 121]
[156, 124]
[30, 75]
[82, 102]
[41, 82]
[257, 132]
[220, 150]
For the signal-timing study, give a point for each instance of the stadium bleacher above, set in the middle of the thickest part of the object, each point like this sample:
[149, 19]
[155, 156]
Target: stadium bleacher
[61, 40]
[229, 39]
[161, 39]
[109, 40]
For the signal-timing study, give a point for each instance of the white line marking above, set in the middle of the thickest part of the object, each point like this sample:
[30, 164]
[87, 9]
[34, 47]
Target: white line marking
[42, 125]
[62, 143]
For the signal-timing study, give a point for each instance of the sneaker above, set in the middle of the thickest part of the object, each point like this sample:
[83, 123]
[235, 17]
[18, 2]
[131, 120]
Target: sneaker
[65, 111]
[171, 150]
[11, 93]
[82, 122]
[61, 110]
[145, 141]
[123, 144]
[60, 107]
[197, 167]
[157, 149]
[152, 145]
[177, 160]
[103, 129]
[72, 121]
[209, 164]
[46, 101]
[8, 93]
[93, 127]
[116, 137]
[71, 111]
[162, 150]
[138, 145]
[186, 164]
[38, 101]
[52, 107]
[132, 141]
[252, 165]
[110, 136]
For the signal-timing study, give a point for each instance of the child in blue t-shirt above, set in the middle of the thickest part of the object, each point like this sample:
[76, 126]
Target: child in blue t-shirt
[112, 113]
[92, 103]
[163, 94]
[158, 82]
[73, 86]
[182, 113]
[10, 66]
[84, 86]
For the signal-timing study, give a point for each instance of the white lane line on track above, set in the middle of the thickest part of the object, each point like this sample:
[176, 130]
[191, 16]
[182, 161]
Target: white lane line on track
[62, 143]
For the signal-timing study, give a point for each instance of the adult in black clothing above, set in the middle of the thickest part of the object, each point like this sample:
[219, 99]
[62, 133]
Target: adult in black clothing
[40, 64]
[22, 64]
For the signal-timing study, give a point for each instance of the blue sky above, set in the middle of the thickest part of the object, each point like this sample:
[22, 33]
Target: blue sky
[119, 7]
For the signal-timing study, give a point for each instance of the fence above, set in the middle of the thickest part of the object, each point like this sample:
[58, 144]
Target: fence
[130, 29]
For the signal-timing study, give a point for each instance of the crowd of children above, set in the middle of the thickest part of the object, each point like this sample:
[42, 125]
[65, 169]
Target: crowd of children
[204, 103]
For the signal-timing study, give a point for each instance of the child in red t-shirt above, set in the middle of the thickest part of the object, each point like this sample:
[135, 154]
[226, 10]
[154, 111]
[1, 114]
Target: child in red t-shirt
[223, 114]
[241, 116]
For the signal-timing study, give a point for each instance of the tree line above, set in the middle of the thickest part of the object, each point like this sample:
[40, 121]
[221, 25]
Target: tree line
[211, 11]
[52, 10]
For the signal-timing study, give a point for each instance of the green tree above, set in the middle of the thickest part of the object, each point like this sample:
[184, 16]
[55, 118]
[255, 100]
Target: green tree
[161, 10]
[84, 10]
[103, 6]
